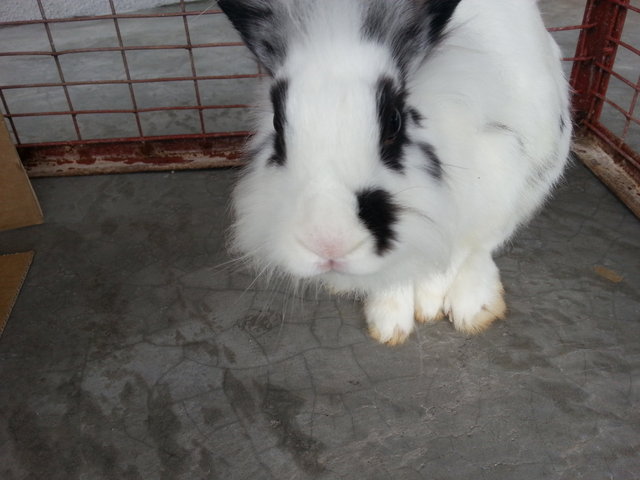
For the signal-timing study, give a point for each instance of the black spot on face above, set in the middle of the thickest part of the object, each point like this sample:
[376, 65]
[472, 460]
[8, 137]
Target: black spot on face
[278, 99]
[563, 124]
[379, 214]
[392, 118]
[434, 165]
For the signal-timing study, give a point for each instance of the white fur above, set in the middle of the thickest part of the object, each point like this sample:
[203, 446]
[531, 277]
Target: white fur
[492, 93]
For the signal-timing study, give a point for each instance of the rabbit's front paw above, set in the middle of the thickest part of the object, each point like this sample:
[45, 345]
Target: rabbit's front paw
[476, 297]
[429, 300]
[390, 315]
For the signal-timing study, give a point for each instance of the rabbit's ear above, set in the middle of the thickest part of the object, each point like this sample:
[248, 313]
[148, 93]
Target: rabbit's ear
[437, 14]
[411, 28]
[260, 26]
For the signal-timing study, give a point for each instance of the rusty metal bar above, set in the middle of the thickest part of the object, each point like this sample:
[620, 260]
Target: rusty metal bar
[132, 81]
[627, 114]
[131, 155]
[599, 44]
[185, 152]
[616, 75]
[132, 93]
[634, 103]
[194, 73]
[154, 138]
[628, 47]
[120, 48]
[109, 17]
[626, 4]
[124, 110]
[59, 67]
[616, 149]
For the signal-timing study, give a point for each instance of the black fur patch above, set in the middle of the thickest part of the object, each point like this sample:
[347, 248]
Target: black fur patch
[434, 165]
[392, 120]
[379, 214]
[279, 99]
[374, 22]
[410, 35]
[563, 125]
[408, 29]
[416, 116]
[439, 13]
[379, 27]
[260, 28]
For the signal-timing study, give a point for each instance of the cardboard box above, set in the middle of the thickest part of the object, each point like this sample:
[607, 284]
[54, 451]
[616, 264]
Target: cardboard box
[19, 206]
[13, 271]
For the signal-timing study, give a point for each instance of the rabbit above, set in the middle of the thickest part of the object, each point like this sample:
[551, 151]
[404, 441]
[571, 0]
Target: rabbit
[400, 143]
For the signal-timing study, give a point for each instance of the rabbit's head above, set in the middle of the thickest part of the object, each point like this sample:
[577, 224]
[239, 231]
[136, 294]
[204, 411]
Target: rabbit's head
[342, 183]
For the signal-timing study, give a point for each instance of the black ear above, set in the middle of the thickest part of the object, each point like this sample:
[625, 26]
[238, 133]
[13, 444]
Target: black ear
[411, 28]
[260, 27]
[438, 14]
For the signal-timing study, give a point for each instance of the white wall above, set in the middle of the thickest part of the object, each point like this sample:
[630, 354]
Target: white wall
[11, 10]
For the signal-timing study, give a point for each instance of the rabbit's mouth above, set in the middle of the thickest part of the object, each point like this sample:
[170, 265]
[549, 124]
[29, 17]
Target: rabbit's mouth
[345, 269]
[335, 255]
[331, 265]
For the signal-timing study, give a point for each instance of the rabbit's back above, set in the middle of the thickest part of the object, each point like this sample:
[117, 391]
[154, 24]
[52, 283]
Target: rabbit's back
[497, 106]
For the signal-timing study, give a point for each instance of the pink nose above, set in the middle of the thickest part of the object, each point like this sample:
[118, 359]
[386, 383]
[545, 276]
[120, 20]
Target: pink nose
[331, 248]
[328, 248]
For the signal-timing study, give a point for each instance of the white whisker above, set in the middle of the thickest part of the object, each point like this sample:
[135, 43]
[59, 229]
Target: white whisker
[205, 11]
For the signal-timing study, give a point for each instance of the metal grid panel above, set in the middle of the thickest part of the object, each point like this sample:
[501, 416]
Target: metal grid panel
[166, 90]
[189, 68]
[127, 76]
[610, 114]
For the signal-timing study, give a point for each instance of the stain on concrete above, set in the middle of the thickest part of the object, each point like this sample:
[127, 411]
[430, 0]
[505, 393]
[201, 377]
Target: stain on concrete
[260, 323]
[238, 395]
[281, 408]
[66, 447]
[164, 428]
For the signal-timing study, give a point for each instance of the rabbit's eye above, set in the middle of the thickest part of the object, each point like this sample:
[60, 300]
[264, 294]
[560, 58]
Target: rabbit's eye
[391, 103]
[392, 127]
[278, 99]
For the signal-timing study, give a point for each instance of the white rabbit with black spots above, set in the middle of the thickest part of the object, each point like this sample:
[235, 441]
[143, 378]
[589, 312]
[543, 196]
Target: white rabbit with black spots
[401, 142]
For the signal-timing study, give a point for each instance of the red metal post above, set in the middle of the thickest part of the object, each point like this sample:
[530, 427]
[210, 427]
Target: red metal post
[597, 47]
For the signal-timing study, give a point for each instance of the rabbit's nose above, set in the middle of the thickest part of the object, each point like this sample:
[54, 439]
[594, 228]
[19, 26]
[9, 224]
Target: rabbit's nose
[331, 248]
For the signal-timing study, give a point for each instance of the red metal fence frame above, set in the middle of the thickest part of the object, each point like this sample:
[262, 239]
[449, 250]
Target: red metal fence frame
[597, 49]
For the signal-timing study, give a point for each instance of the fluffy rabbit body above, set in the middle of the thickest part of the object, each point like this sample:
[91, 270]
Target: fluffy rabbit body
[400, 143]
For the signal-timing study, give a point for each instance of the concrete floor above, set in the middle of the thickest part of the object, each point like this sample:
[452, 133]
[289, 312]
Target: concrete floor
[131, 354]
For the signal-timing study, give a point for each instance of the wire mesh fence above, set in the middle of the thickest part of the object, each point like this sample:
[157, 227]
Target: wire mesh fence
[607, 79]
[165, 88]
[171, 87]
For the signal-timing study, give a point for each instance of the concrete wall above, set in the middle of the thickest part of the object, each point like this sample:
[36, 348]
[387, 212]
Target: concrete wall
[11, 10]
